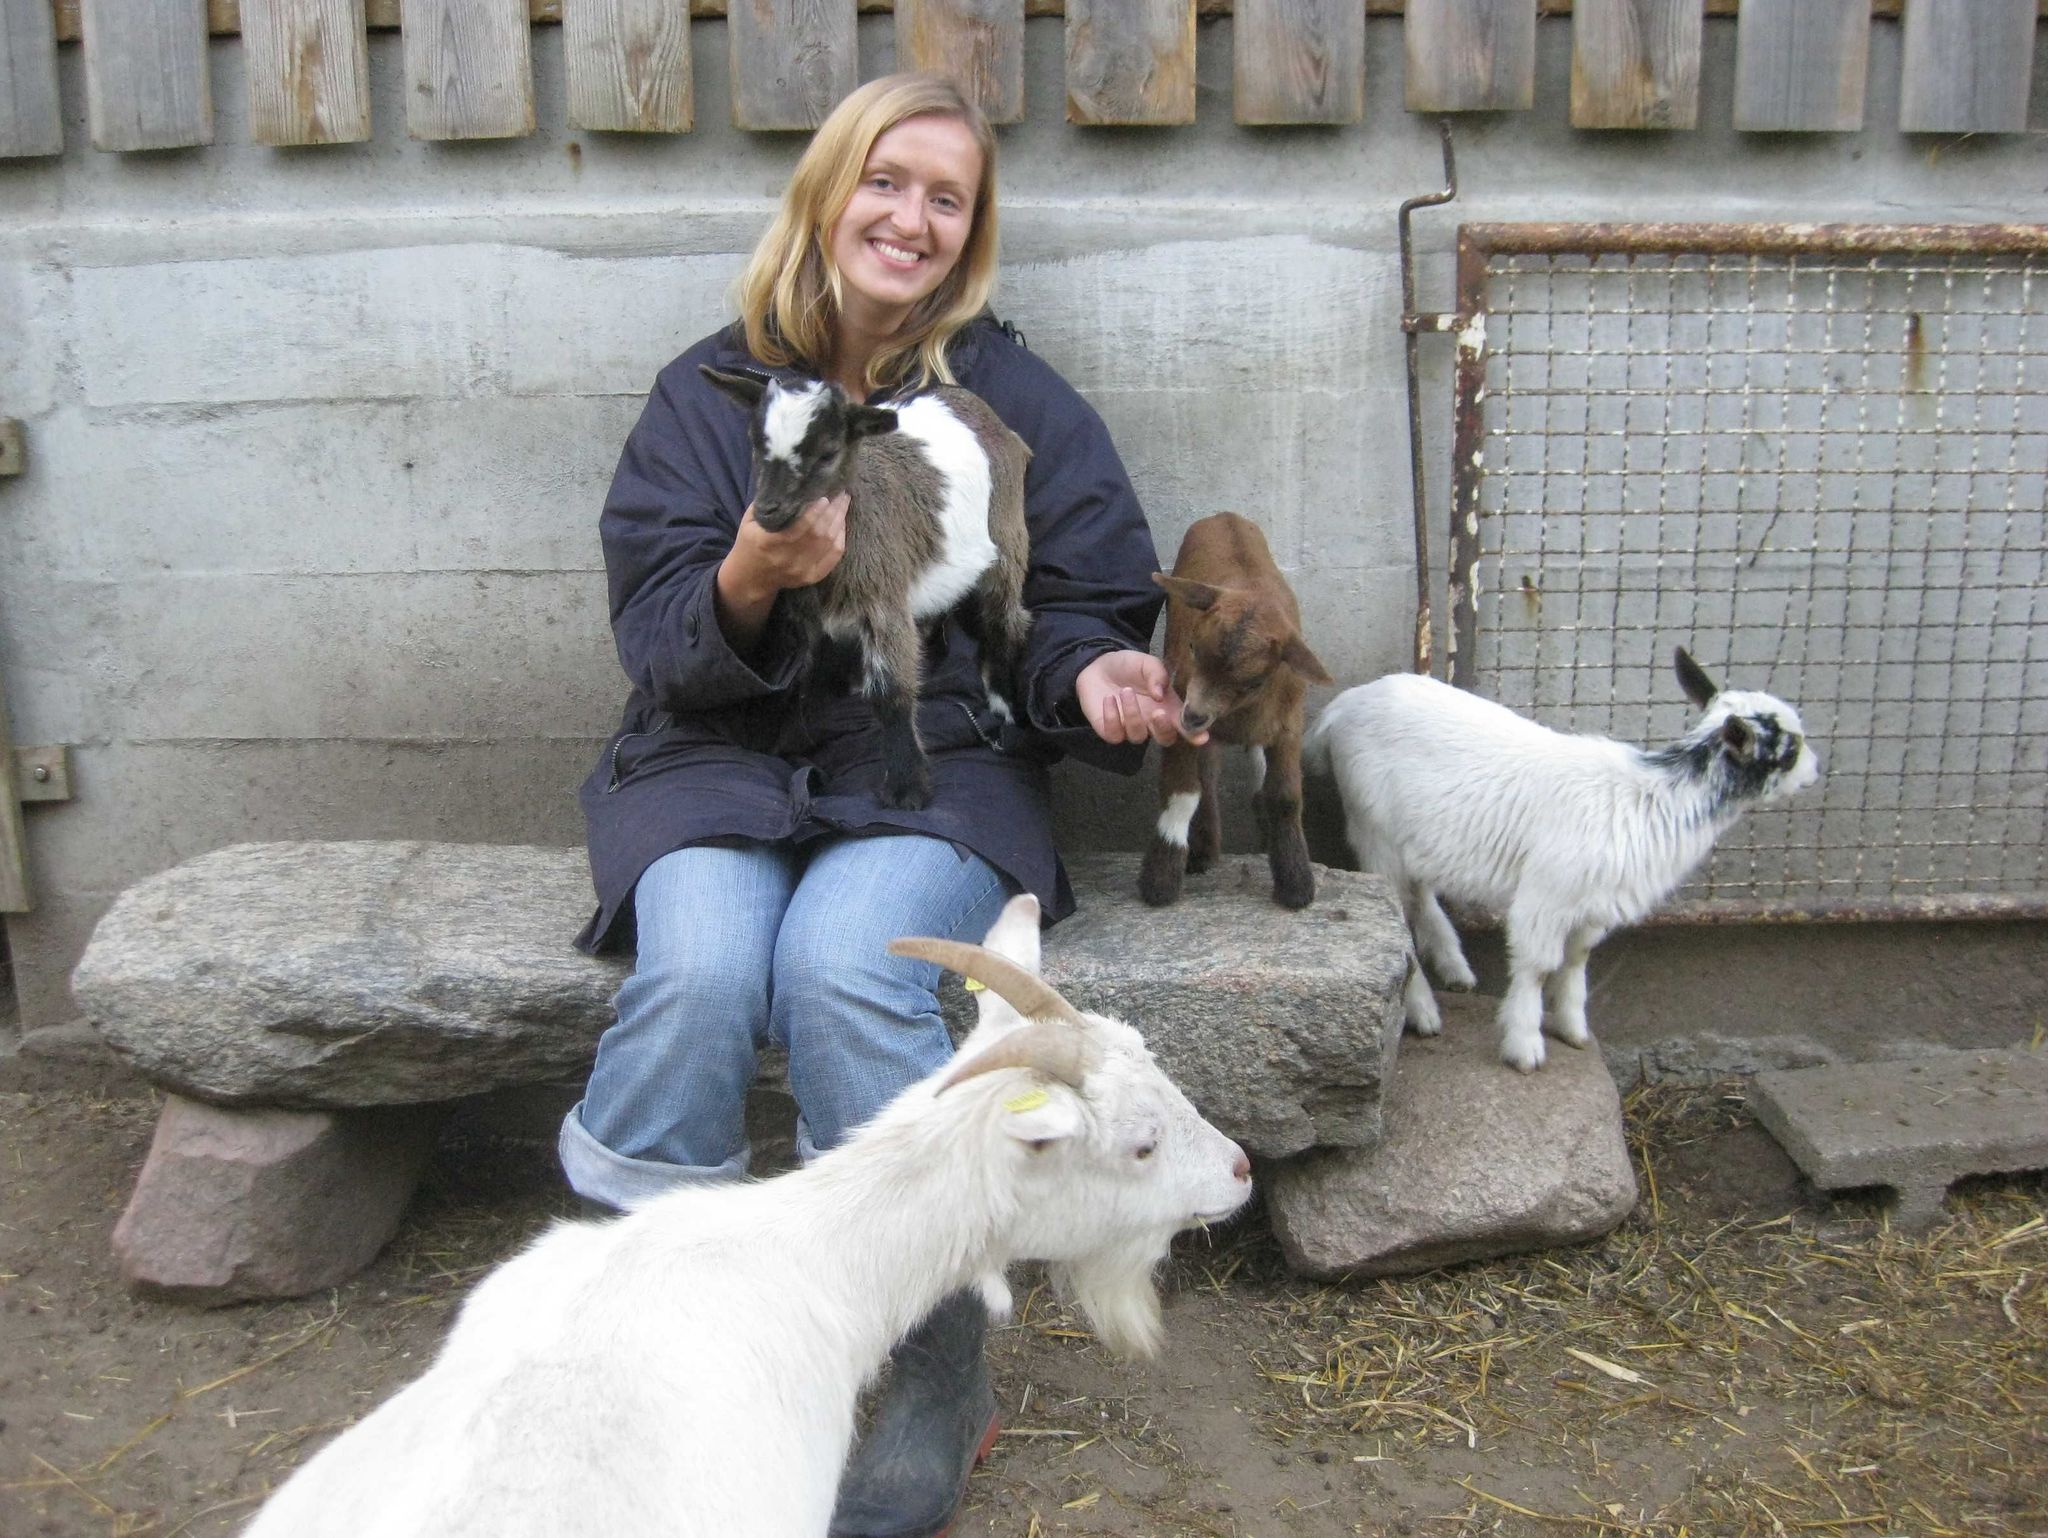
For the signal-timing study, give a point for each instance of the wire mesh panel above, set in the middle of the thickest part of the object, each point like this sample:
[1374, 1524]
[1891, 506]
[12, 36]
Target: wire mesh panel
[1818, 459]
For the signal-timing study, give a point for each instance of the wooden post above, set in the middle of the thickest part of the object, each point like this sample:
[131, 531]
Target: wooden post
[1131, 61]
[468, 69]
[1470, 55]
[629, 65]
[1968, 65]
[30, 123]
[147, 85]
[1298, 61]
[792, 61]
[308, 65]
[1800, 65]
[1636, 63]
[979, 43]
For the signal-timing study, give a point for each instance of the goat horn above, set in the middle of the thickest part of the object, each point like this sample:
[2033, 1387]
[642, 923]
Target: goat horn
[1026, 992]
[1051, 1047]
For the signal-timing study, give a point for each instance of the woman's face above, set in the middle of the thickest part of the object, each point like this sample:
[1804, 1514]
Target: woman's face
[902, 233]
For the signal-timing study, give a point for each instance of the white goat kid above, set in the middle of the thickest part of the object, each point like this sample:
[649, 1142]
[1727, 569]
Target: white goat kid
[689, 1370]
[1566, 837]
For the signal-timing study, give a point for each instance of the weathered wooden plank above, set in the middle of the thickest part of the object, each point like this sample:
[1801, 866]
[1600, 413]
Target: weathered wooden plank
[1968, 65]
[308, 66]
[979, 43]
[468, 69]
[147, 86]
[792, 60]
[1298, 61]
[1131, 61]
[14, 889]
[30, 122]
[1635, 63]
[1800, 65]
[383, 14]
[629, 65]
[1470, 55]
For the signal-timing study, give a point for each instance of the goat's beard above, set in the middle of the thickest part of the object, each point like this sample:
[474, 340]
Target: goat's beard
[1115, 1291]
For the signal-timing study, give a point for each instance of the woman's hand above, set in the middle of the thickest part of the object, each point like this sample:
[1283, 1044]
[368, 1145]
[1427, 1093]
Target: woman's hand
[1128, 697]
[761, 564]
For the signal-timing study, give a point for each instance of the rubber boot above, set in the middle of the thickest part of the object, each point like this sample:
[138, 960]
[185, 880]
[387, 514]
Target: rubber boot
[937, 1419]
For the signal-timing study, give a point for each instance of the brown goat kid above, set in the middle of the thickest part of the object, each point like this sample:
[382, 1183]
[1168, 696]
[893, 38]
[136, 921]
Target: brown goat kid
[1235, 652]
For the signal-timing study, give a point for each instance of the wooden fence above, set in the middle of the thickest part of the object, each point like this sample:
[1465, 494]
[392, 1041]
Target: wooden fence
[1800, 64]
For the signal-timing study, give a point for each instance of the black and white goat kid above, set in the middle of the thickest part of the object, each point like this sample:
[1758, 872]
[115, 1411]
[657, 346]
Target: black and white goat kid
[935, 523]
[1565, 837]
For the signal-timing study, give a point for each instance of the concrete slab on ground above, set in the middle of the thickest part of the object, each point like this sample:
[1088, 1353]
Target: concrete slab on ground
[1915, 1124]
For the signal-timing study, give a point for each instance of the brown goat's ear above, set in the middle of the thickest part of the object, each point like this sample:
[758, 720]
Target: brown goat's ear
[1196, 595]
[1305, 662]
[744, 385]
[869, 421]
[1692, 678]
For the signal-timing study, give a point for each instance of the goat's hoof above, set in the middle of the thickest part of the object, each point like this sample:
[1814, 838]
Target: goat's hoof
[1200, 860]
[913, 797]
[1424, 1022]
[1523, 1061]
[1294, 895]
[1570, 1035]
[1459, 978]
[1159, 877]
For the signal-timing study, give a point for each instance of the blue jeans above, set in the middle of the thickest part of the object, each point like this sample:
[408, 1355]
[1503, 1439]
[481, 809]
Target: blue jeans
[760, 945]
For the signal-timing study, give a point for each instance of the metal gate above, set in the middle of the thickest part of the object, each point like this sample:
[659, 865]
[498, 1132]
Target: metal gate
[1817, 457]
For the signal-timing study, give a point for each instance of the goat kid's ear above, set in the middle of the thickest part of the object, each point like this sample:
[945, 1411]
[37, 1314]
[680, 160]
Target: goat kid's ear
[1196, 595]
[1041, 1115]
[1739, 738]
[1692, 678]
[869, 421]
[744, 385]
[1305, 662]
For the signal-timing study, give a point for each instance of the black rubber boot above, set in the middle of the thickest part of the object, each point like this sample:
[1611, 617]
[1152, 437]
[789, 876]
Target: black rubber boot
[937, 1419]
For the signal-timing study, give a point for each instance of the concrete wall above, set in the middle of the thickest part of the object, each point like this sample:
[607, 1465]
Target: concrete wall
[308, 543]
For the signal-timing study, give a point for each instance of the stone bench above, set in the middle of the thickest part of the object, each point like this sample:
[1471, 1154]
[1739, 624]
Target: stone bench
[314, 1008]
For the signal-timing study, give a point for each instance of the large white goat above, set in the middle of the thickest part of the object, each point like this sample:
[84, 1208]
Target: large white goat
[689, 1370]
[1565, 837]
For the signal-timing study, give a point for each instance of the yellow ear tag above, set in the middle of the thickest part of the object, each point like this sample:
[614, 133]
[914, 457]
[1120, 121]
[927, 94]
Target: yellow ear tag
[1030, 1100]
[973, 984]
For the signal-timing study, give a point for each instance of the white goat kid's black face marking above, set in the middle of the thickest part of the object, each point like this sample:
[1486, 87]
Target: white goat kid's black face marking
[1763, 744]
[802, 437]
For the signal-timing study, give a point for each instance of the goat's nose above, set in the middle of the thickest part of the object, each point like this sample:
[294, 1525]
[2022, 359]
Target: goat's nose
[1243, 1168]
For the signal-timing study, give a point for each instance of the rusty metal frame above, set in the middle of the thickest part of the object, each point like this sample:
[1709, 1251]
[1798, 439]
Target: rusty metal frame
[1477, 245]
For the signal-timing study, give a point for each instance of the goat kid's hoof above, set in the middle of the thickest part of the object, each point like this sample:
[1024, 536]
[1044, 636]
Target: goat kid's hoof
[1459, 979]
[1570, 1035]
[1160, 877]
[913, 797]
[1523, 1060]
[1294, 897]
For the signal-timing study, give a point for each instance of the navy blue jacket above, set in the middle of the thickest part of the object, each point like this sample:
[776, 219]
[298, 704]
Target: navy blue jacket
[716, 747]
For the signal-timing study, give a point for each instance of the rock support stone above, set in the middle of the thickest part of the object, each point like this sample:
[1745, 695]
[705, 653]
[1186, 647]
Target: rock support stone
[240, 1204]
[1477, 1160]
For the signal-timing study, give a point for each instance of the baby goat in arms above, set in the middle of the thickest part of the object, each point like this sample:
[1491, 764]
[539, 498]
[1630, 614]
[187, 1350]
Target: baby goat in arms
[689, 1370]
[935, 518]
[1566, 837]
[1235, 652]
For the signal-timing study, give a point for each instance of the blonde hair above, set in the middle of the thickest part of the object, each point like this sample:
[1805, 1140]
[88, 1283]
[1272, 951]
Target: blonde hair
[789, 295]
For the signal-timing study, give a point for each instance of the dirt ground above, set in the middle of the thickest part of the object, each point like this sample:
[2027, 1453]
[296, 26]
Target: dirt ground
[1742, 1356]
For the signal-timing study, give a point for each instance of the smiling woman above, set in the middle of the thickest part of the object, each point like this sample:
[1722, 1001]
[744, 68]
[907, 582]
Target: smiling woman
[738, 824]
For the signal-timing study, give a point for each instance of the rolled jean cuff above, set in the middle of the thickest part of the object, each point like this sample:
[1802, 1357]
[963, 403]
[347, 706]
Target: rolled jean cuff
[599, 1174]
